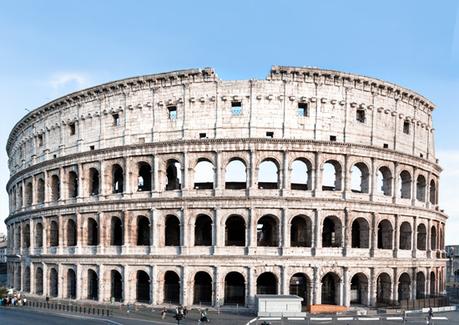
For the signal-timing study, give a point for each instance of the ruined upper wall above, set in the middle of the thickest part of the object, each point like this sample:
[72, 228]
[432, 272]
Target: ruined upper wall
[137, 110]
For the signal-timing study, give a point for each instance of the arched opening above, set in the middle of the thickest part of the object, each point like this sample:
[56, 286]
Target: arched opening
[28, 194]
[73, 184]
[300, 285]
[116, 286]
[71, 233]
[40, 191]
[203, 231]
[144, 177]
[53, 234]
[433, 238]
[267, 231]
[331, 232]
[202, 289]
[143, 231]
[420, 285]
[385, 235]
[94, 181]
[433, 288]
[301, 175]
[171, 288]
[39, 235]
[174, 175]
[267, 284]
[384, 181]
[405, 185]
[234, 289]
[18, 237]
[18, 278]
[330, 289]
[39, 281]
[383, 289]
[172, 229]
[404, 287]
[301, 232]
[27, 279]
[405, 236]
[441, 240]
[19, 197]
[55, 188]
[117, 179]
[360, 233]
[93, 285]
[421, 188]
[26, 236]
[116, 232]
[143, 287]
[71, 284]
[235, 231]
[53, 283]
[433, 192]
[360, 179]
[268, 175]
[331, 176]
[204, 175]
[359, 289]
[421, 237]
[236, 175]
[93, 232]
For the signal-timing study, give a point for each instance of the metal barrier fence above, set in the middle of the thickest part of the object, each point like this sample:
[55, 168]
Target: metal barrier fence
[410, 304]
[72, 308]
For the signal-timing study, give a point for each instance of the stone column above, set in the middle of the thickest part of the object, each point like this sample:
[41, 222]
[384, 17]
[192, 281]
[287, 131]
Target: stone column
[414, 237]
[346, 177]
[32, 279]
[79, 282]
[219, 287]
[154, 284]
[34, 190]
[62, 234]
[251, 171]
[102, 284]
[184, 232]
[186, 182]
[414, 186]
[317, 184]
[427, 285]
[429, 239]
[252, 230]
[285, 243]
[317, 243]
[372, 176]
[252, 287]
[155, 231]
[81, 182]
[45, 280]
[373, 287]
[395, 184]
[345, 289]
[413, 284]
[396, 236]
[156, 186]
[347, 228]
[128, 179]
[373, 235]
[285, 174]
[316, 287]
[219, 173]
[395, 285]
[218, 231]
[184, 298]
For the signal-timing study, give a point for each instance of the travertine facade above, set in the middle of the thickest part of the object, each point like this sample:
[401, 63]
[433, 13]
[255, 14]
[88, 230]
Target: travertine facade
[184, 188]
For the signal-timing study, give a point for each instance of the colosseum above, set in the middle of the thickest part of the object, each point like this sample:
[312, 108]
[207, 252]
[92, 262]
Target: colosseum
[182, 188]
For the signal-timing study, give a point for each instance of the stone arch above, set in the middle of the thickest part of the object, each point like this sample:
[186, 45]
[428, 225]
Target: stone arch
[143, 287]
[94, 182]
[405, 184]
[235, 231]
[360, 233]
[404, 287]
[236, 174]
[143, 231]
[40, 190]
[26, 279]
[71, 233]
[171, 288]
[330, 289]
[26, 236]
[331, 232]
[173, 175]
[71, 284]
[93, 232]
[204, 175]
[433, 287]
[405, 236]
[234, 289]
[117, 179]
[433, 192]
[116, 286]
[300, 285]
[93, 285]
[385, 234]
[203, 230]
[144, 177]
[433, 238]
[268, 174]
[421, 185]
[55, 188]
[267, 283]
[331, 176]
[28, 194]
[72, 184]
[53, 234]
[39, 281]
[18, 235]
[360, 178]
[202, 289]
[421, 239]
[359, 289]
[172, 231]
[383, 289]
[301, 175]
[420, 285]
[268, 231]
[301, 231]
[39, 235]
[18, 278]
[116, 231]
[53, 282]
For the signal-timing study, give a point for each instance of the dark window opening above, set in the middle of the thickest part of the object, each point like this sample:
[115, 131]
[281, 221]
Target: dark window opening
[116, 120]
[267, 231]
[173, 173]
[143, 287]
[71, 284]
[144, 178]
[39, 281]
[41, 191]
[172, 229]
[234, 289]
[116, 286]
[143, 231]
[27, 279]
[332, 137]
[94, 181]
[236, 108]
[116, 232]
[406, 127]
[171, 288]
[93, 285]
[53, 283]
[300, 285]
[405, 236]
[383, 289]
[330, 289]
[385, 235]
[270, 134]
[26, 235]
[267, 284]
[40, 140]
[72, 128]
[404, 287]
[420, 286]
[421, 239]
[39, 235]
[359, 289]
[92, 148]
[235, 231]
[202, 291]
[385, 146]
[302, 110]
[172, 112]
[405, 185]
[117, 179]
[71, 233]
[360, 116]
[331, 232]
[301, 232]
[433, 238]
[93, 232]
[202, 136]
[203, 231]
[360, 233]
[53, 234]
[55, 188]
[73, 184]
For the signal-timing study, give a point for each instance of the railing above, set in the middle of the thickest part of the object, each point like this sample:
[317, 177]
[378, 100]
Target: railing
[415, 304]
[70, 307]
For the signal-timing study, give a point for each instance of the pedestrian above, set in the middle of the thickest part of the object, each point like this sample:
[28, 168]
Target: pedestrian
[24, 301]
[185, 311]
[163, 313]
[47, 299]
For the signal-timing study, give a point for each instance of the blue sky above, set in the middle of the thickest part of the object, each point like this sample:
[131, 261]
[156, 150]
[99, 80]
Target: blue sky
[49, 48]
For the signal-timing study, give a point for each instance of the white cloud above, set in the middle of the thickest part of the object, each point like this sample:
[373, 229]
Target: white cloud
[65, 82]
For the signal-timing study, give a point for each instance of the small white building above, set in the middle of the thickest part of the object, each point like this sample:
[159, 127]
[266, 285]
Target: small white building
[279, 305]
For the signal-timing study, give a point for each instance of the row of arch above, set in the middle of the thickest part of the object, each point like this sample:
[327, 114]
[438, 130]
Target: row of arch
[235, 286]
[268, 177]
[268, 229]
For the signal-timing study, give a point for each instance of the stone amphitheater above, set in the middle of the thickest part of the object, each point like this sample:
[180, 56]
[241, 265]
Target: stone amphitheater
[182, 188]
